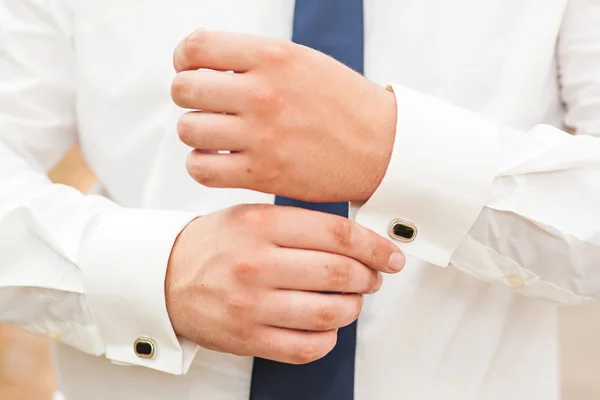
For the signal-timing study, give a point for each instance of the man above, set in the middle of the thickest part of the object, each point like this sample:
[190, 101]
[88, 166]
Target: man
[430, 126]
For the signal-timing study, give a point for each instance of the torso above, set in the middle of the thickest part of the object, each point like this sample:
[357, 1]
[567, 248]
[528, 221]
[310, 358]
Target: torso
[430, 333]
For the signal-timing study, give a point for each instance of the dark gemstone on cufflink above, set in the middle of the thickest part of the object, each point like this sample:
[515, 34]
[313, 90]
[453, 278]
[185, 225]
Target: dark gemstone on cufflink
[144, 348]
[403, 231]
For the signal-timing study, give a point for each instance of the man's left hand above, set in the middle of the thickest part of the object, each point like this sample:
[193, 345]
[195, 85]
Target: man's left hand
[295, 122]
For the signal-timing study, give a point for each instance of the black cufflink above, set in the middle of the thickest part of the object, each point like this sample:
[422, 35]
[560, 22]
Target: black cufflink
[144, 348]
[402, 231]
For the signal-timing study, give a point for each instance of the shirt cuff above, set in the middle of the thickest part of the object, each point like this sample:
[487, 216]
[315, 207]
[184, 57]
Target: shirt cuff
[124, 262]
[439, 177]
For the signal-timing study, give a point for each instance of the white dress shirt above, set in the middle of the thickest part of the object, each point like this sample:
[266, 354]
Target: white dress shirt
[506, 205]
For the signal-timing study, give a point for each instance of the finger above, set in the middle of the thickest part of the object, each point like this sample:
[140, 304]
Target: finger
[293, 346]
[320, 271]
[209, 131]
[223, 51]
[218, 170]
[205, 90]
[304, 229]
[295, 309]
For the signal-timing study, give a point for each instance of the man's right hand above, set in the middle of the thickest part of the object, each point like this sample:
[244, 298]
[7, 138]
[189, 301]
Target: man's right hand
[249, 280]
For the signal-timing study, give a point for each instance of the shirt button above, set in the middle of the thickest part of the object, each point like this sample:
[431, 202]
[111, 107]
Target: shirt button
[516, 281]
[402, 231]
[144, 348]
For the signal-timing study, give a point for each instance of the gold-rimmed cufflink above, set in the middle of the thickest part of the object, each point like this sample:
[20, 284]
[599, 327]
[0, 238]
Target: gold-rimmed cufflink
[403, 231]
[144, 348]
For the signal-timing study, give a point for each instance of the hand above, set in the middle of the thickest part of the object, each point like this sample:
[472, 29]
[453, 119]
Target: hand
[245, 280]
[298, 123]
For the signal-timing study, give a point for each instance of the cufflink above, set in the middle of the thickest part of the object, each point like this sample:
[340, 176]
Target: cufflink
[403, 231]
[144, 348]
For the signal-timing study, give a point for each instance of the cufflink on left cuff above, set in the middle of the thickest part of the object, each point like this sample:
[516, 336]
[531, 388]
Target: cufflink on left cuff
[144, 348]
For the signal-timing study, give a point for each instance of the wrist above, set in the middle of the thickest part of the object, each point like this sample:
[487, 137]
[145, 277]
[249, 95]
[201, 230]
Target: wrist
[439, 176]
[173, 285]
[382, 120]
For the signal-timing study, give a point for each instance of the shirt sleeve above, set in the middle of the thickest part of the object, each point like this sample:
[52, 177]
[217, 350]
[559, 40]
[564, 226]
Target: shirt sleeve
[75, 268]
[519, 208]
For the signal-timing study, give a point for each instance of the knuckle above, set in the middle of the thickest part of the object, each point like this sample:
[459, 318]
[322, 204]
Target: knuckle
[194, 44]
[267, 140]
[185, 128]
[357, 307]
[266, 99]
[191, 165]
[242, 334]
[247, 270]
[305, 354]
[326, 318]
[314, 350]
[267, 177]
[373, 281]
[341, 231]
[379, 250]
[239, 210]
[181, 89]
[339, 275]
[329, 342]
[255, 217]
[179, 58]
[276, 53]
[199, 172]
[238, 303]
[208, 179]
[271, 168]
[271, 138]
[203, 173]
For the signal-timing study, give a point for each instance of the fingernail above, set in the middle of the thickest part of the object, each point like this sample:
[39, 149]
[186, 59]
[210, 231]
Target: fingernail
[397, 261]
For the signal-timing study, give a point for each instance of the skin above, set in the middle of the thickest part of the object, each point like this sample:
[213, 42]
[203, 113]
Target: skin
[287, 113]
[245, 280]
[250, 280]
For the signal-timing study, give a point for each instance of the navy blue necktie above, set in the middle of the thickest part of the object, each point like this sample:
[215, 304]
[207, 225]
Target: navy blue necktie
[334, 27]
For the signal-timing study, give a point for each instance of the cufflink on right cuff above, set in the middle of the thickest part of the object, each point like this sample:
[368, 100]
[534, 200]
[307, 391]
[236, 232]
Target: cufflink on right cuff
[144, 348]
[402, 231]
